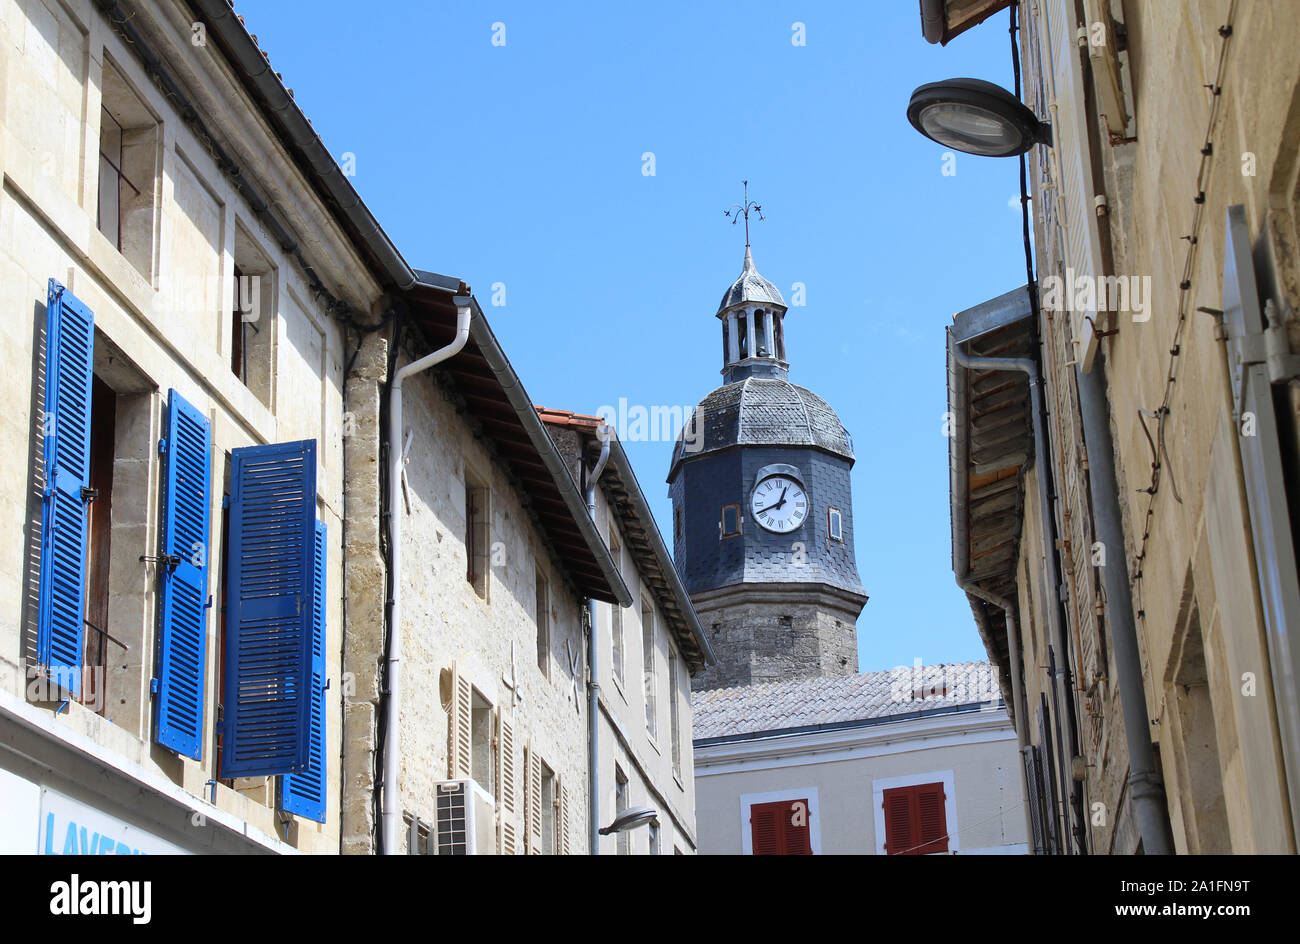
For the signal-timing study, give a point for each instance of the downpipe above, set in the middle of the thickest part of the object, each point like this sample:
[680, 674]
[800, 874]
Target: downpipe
[1144, 783]
[391, 811]
[593, 679]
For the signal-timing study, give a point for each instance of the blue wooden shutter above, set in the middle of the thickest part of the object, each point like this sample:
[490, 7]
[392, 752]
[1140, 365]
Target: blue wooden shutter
[304, 793]
[269, 589]
[182, 632]
[69, 355]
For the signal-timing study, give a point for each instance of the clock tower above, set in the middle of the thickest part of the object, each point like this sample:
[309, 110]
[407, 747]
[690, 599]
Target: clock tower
[763, 510]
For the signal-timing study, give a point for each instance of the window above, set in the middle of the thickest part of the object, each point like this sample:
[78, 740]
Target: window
[780, 827]
[99, 536]
[778, 331]
[542, 614]
[674, 718]
[481, 742]
[742, 332]
[915, 821]
[835, 524]
[616, 615]
[760, 333]
[730, 521]
[677, 523]
[273, 645]
[252, 318]
[96, 415]
[128, 164]
[649, 679]
[549, 802]
[654, 837]
[478, 554]
[620, 806]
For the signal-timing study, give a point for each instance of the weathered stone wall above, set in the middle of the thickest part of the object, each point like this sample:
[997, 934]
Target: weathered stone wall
[163, 312]
[1197, 603]
[492, 641]
[774, 632]
[625, 739]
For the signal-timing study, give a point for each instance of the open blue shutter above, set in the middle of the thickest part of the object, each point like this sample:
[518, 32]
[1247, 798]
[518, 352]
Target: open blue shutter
[69, 355]
[182, 635]
[269, 589]
[304, 793]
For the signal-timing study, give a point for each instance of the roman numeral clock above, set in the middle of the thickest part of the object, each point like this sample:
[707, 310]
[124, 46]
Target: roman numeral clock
[762, 508]
[779, 502]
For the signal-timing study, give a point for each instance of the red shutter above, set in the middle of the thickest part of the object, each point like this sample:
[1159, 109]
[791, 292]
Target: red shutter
[898, 821]
[930, 815]
[780, 828]
[915, 821]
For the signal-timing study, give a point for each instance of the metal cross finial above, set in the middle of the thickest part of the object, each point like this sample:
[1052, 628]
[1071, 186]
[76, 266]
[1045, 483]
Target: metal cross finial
[742, 209]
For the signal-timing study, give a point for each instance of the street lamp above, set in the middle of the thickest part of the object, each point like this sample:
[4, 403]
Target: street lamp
[977, 117]
[630, 818]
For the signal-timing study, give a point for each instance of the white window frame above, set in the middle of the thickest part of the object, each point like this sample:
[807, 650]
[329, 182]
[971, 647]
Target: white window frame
[749, 800]
[945, 777]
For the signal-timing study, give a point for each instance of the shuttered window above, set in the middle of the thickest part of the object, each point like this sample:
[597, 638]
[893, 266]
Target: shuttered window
[304, 793]
[780, 828]
[69, 355]
[183, 581]
[269, 611]
[507, 786]
[460, 728]
[533, 802]
[915, 820]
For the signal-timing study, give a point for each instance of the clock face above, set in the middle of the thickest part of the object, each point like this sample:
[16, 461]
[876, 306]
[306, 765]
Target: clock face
[779, 504]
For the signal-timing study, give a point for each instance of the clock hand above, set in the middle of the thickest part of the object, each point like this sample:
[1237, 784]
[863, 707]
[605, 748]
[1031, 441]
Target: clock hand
[777, 505]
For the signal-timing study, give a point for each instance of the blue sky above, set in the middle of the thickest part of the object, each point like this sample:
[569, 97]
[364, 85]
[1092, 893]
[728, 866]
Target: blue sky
[522, 164]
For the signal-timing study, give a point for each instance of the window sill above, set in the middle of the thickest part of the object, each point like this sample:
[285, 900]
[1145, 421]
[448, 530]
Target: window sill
[618, 686]
[650, 739]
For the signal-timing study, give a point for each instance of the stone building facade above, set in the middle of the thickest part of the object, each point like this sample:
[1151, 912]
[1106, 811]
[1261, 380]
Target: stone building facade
[762, 508]
[207, 324]
[1166, 270]
[173, 289]
[646, 655]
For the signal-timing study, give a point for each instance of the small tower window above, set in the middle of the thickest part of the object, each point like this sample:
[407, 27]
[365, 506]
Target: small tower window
[835, 521]
[760, 333]
[778, 331]
[726, 350]
[730, 521]
[742, 334]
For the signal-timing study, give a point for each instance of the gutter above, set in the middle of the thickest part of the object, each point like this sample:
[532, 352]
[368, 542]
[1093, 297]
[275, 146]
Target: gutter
[660, 549]
[933, 16]
[546, 450]
[256, 68]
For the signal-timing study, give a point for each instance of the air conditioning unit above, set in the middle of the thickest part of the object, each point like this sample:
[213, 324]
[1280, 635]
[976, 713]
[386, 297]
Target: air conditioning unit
[466, 823]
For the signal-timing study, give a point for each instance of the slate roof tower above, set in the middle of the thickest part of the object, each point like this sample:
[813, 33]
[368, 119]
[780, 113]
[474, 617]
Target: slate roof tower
[762, 509]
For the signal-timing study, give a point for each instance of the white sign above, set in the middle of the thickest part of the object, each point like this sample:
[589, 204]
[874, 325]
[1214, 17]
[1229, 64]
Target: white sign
[70, 827]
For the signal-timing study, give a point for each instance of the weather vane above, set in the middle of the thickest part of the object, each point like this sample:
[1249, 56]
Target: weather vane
[742, 209]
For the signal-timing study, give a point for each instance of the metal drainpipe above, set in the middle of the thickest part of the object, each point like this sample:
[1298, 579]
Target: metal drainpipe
[391, 812]
[1144, 783]
[593, 680]
[1028, 367]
